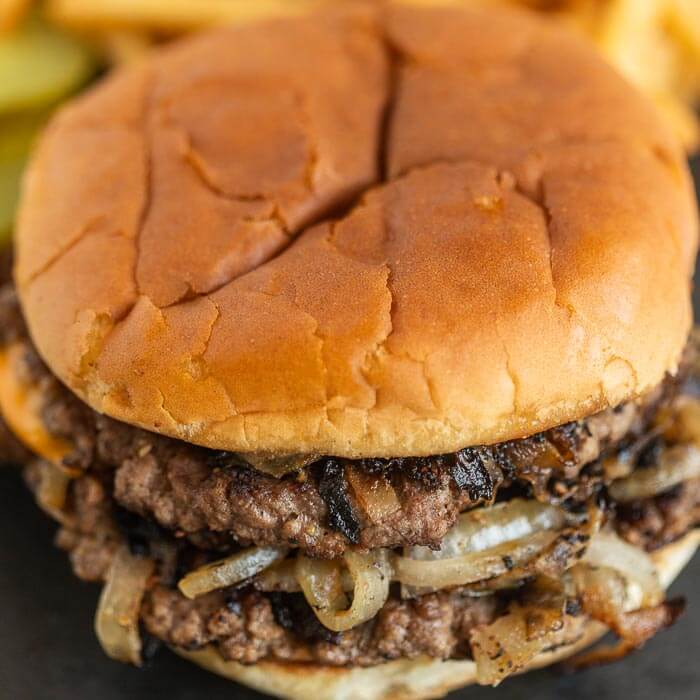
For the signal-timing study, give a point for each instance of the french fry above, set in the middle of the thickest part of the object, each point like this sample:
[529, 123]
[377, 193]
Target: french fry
[650, 43]
[681, 116]
[684, 16]
[12, 12]
[167, 15]
[17, 133]
[122, 47]
[630, 36]
[683, 24]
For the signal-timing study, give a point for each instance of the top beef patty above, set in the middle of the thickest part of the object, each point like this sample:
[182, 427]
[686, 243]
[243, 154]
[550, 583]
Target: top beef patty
[217, 498]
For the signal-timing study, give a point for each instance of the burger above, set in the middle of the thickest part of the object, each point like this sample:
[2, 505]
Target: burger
[353, 352]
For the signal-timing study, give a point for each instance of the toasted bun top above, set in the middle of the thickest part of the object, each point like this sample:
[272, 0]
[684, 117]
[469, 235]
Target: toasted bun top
[366, 232]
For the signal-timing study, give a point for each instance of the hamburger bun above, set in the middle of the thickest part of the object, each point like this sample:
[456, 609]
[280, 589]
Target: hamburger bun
[369, 232]
[406, 679]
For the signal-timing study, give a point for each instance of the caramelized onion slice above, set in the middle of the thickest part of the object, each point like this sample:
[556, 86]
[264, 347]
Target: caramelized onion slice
[117, 618]
[605, 597]
[484, 543]
[277, 465]
[373, 492]
[229, 571]
[676, 465]
[321, 582]
[322, 585]
[502, 648]
[282, 577]
[482, 528]
[52, 491]
[509, 643]
[606, 549]
[472, 566]
[682, 420]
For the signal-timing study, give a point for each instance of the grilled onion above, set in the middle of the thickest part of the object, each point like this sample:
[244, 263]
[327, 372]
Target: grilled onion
[682, 421]
[607, 550]
[676, 465]
[605, 596]
[373, 492]
[483, 528]
[52, 491]
[282, 577]
[473, 566]
[509, 643]
[322, 585]
[502, 648]
[117, 617]
[229, 571]
[485, 542]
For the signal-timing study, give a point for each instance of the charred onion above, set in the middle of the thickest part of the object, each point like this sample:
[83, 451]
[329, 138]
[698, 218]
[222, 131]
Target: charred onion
[509, 643]
[485, 543]
[322, 584]
[277, 465]
[229, 571]
[606, 549]
[470, 567]
[117, 617]
[52, 492]
[676, 465]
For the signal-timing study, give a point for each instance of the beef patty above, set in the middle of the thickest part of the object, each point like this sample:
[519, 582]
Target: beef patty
[249, 626]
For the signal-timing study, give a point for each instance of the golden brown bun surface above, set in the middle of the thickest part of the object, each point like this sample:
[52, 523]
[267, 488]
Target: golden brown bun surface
[406, 679]
[194, 255]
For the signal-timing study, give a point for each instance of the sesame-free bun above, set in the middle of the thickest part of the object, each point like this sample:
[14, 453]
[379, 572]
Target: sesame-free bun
[374, 231]
[407, 679]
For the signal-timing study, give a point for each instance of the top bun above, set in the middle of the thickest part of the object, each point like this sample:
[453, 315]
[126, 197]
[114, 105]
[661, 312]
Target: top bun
[367, 232]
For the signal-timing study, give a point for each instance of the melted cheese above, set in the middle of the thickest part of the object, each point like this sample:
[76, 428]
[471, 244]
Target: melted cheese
[20, 405]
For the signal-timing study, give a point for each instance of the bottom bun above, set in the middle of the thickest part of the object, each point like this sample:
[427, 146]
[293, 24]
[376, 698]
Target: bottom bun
[405, 679]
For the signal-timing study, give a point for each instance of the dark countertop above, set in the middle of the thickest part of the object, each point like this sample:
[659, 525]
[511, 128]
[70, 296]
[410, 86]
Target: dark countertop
[48, 650]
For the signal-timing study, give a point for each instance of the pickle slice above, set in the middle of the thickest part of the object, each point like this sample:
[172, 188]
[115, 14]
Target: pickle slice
[10, 176]
[39, 65]
[17, 135]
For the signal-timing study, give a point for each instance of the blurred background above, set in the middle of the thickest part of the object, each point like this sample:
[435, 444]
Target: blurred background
[52, 50]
